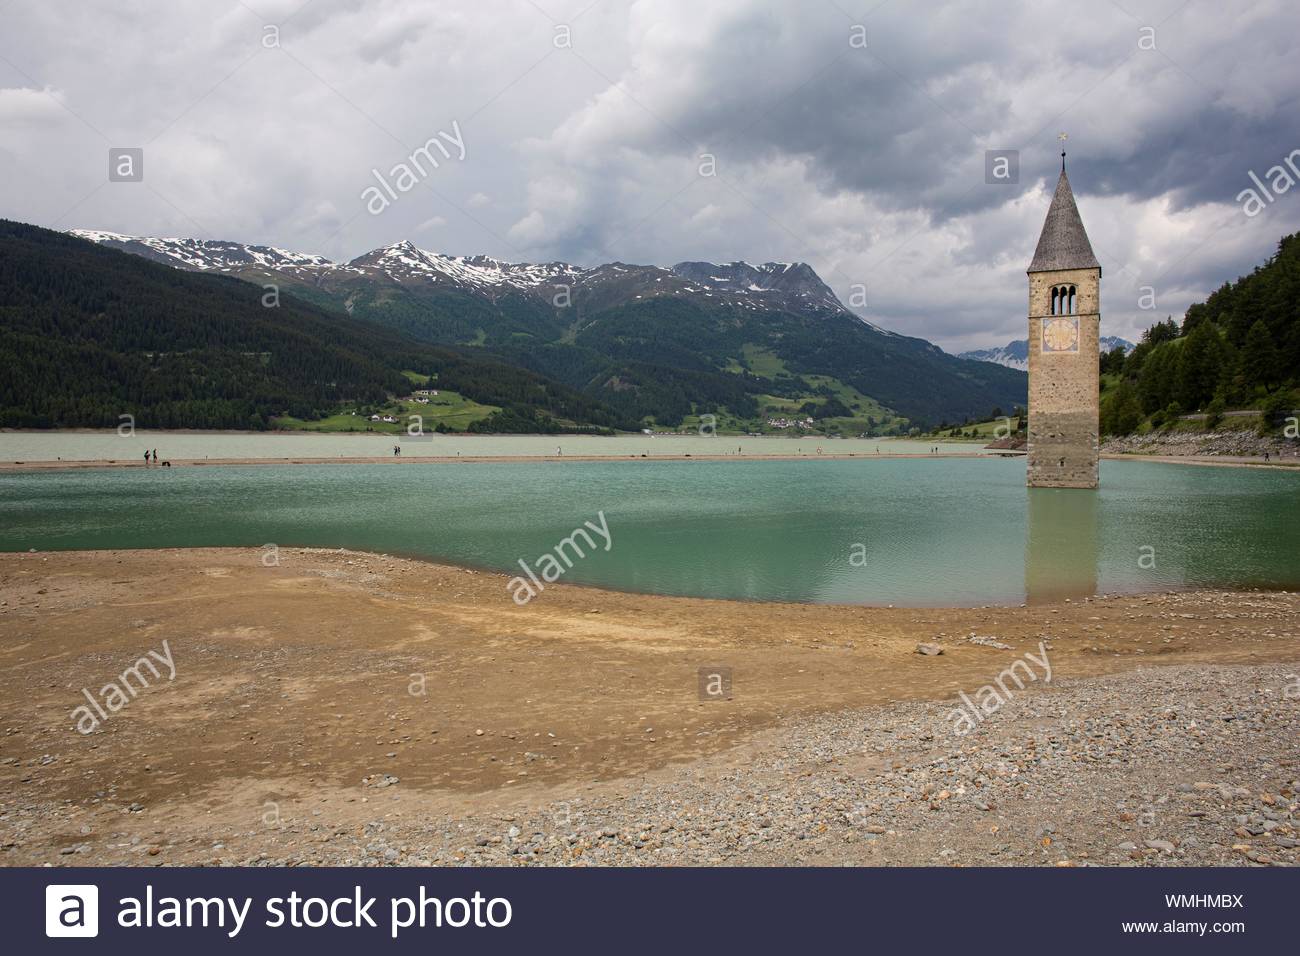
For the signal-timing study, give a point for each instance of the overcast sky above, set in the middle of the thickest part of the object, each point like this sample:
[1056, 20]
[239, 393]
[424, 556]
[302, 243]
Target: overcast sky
[850, 136]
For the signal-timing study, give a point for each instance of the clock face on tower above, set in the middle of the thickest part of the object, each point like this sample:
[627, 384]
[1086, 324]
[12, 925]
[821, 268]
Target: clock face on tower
[1061, 334]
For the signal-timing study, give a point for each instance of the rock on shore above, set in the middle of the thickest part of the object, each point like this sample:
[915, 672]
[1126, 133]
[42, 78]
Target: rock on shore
[1230, 443]
[1171, 766]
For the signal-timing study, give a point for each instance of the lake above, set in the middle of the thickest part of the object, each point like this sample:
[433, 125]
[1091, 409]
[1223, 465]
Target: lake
[938, 531]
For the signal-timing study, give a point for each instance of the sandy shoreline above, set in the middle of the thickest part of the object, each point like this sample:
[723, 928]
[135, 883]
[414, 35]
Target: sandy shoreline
[297, 682]
[453, 459]
[20, 466]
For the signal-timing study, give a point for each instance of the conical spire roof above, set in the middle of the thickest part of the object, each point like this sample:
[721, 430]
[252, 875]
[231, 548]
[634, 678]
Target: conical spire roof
[1064, 242]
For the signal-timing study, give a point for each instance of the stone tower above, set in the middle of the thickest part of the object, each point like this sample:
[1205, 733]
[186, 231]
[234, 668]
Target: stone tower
[1064, 325]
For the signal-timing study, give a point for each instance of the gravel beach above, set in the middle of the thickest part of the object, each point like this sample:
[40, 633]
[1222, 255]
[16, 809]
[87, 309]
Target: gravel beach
[294, 731]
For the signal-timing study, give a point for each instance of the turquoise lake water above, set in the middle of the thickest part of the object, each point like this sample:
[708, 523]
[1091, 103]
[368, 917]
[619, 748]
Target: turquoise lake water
[942, 531]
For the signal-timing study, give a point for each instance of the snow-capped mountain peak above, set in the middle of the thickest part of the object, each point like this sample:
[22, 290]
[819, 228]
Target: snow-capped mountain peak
[796, 281]
[1016, 354]
[205, 254]
[404, 261]
[787, 286]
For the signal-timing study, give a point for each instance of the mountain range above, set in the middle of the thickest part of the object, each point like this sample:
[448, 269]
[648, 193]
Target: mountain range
[656, 345]
[1016, 354]
[93, 337]
[771, 286]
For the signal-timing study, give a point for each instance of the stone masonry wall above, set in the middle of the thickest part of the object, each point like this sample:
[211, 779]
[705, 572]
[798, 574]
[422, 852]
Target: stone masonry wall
[1064, 387]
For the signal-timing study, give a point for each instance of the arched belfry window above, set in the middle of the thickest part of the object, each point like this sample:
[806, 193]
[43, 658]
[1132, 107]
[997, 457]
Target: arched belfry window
[1065, 300]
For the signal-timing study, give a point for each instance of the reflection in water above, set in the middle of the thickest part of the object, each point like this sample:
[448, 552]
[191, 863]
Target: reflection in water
[1061, 544]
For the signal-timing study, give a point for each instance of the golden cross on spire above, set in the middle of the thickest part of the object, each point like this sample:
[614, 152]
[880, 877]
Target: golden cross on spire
[1063, 136]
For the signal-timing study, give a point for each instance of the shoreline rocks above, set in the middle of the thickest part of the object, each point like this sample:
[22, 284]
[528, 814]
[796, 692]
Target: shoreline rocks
[1234, 443]
[1190, 765]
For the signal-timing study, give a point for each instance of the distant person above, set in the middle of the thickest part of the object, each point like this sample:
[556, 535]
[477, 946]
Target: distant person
[155, 456]
[397, 449]
[1266, 456]
[146, 457]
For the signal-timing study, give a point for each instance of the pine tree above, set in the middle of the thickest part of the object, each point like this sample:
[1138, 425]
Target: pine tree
[1155, 384]
[1201, 361]
[1165, 331]
[1260, 358]
[1121, 413]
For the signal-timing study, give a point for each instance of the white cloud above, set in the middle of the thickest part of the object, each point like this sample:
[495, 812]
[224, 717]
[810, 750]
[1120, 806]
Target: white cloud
[20, 106]
[433, 222]
[529, 230]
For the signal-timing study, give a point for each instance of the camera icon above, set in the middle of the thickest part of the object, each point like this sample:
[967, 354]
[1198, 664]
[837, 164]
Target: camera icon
[71, 909]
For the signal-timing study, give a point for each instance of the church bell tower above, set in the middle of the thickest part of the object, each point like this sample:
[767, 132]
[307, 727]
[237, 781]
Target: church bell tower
[1064, 326]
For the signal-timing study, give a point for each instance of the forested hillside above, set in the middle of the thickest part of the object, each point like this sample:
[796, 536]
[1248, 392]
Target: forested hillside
[88, 334]
[658, 356]
[1238, 349]
[749, 343]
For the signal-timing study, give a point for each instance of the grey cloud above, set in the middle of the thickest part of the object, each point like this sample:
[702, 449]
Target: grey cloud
[866, 163]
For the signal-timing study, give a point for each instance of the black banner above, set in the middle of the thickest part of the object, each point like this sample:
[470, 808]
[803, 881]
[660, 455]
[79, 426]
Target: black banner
[649, 911]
